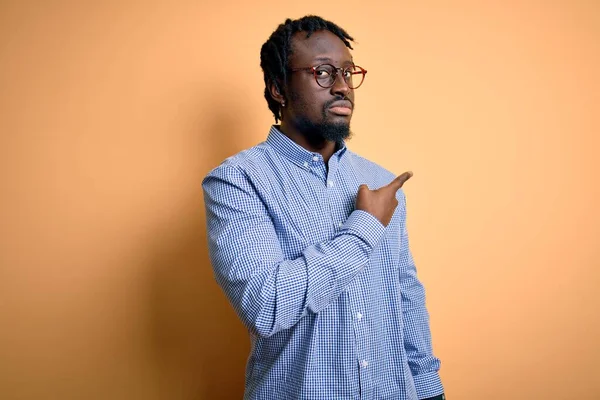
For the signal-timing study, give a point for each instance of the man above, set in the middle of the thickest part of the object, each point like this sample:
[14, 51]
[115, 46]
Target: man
[309, 243]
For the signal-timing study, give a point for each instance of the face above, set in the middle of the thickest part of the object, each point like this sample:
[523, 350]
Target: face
[315, 111]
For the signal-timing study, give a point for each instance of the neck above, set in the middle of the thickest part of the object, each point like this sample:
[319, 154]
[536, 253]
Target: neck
[314, 144]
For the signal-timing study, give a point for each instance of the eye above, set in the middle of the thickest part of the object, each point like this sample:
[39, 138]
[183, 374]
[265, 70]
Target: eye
[323, 72]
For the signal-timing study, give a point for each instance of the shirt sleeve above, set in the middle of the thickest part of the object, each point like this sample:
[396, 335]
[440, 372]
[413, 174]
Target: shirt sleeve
[423, 364]
[269, 292]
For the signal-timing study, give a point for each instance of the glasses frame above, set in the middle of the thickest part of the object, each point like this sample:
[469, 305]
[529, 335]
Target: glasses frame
[336, 71]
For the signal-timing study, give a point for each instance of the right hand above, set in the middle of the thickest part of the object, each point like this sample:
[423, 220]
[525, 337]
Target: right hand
[381, 203]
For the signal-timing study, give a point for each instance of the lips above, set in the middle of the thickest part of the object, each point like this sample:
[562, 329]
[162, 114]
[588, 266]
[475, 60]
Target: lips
[343, 108]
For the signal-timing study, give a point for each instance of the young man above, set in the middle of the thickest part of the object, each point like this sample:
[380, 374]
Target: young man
[309, 243]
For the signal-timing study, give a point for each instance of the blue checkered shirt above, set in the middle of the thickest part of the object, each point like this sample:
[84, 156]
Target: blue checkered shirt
[329, 295]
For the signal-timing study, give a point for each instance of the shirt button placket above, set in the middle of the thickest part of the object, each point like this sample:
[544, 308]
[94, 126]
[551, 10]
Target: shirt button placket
[362, 350]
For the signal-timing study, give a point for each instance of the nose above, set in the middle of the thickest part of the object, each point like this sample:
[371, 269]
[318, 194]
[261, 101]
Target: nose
[340, 87]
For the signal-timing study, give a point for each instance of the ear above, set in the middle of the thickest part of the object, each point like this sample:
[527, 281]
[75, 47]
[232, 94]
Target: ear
[276, 92]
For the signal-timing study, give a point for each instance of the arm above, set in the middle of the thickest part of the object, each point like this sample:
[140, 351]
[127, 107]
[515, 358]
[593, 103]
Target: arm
[417, 337]
[268, 292]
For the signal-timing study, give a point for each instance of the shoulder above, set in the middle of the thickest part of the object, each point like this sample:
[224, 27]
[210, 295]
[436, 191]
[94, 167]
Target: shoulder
[240, 165]
[370, 169]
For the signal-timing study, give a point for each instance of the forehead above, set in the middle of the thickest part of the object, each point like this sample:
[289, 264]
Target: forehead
[322, 46]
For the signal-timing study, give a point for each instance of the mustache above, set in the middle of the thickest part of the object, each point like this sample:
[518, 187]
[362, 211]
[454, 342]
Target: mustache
[338, 98]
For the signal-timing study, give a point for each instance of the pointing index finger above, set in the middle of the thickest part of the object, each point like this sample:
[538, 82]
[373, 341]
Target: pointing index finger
[400, 180]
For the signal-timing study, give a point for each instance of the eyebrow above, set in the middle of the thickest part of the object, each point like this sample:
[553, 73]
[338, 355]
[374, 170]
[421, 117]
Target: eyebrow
[327, 59]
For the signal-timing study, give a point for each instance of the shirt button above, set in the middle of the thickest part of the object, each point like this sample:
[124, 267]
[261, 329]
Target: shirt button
[364, 363]
[316, 158]
[330, 183]
[359, 316]
[340, 224]
[305, 165]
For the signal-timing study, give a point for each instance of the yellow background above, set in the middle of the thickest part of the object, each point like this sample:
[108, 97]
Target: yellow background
[111, 113]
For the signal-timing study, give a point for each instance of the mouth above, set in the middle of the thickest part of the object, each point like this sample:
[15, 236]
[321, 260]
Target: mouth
[341, 108]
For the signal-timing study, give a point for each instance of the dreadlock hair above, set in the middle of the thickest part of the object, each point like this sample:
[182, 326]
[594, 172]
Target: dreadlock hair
[275, 52]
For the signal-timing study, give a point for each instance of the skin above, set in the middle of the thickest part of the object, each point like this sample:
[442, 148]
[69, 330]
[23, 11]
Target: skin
[306, 99]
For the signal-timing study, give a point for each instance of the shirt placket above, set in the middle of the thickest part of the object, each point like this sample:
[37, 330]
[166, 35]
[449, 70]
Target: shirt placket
[360, 322]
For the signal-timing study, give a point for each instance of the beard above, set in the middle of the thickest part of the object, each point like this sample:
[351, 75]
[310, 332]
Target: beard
[317, 132]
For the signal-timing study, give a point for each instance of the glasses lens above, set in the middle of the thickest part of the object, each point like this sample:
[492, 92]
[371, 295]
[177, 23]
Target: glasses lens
[354, 76]
[325, 75]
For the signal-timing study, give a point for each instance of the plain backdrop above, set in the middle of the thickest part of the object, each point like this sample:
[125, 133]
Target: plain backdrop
[111, 113]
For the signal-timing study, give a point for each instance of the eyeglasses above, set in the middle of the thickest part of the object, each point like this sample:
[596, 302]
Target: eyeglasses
[325, 75]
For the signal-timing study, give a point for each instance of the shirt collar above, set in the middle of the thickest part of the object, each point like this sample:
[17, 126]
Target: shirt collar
[294, 152]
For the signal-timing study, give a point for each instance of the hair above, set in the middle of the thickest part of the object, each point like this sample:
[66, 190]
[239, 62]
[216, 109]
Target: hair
[275, 52]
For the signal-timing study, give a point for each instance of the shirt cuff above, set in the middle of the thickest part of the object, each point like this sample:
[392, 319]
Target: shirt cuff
[365, 226]
[428, 385]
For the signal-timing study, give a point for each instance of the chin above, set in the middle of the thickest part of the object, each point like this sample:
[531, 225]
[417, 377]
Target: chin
[335, 131]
